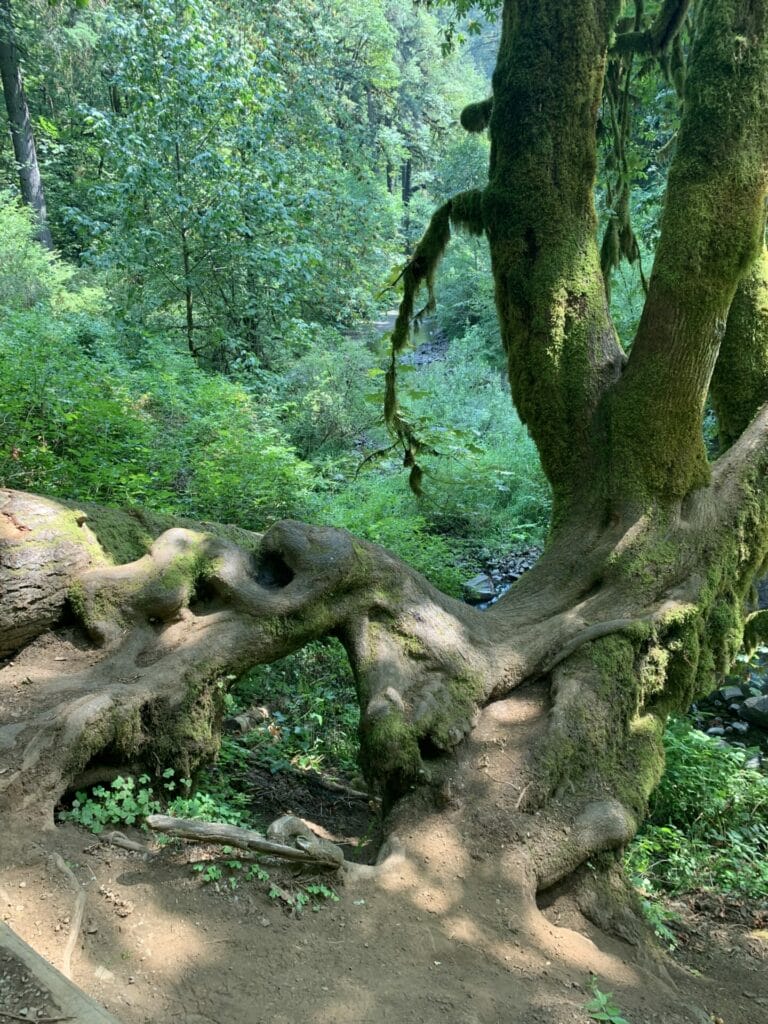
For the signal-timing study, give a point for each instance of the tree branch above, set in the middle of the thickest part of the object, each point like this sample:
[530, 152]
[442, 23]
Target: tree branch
[661, 34]
[740, 379]
[717, 182]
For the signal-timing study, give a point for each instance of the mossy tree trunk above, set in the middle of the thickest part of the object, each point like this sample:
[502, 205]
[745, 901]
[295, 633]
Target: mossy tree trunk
[638, 602]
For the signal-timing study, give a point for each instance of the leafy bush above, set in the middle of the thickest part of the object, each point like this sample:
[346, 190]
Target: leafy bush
[708, 826]
[311, 710]
[127, 801]
[82, 419]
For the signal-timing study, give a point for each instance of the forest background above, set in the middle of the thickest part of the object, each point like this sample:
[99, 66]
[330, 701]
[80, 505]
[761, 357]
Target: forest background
[229, 187]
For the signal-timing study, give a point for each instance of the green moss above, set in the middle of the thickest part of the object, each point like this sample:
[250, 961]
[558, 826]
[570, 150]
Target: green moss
[539, 213]
[717, 183]
[740, 381]
[123, 536]
[389, 754]
[756, 630]
[725, 630]
[187, 736]
[464, 696]
[640, 769]
[118, 728]
[684, 667]
[476, 116]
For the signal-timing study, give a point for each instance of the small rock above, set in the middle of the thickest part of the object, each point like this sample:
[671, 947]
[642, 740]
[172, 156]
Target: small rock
[102, 974]
[755, 710]
[479, 588]
[716, 730]
[237, 724]
[264, 922]
[730, 693]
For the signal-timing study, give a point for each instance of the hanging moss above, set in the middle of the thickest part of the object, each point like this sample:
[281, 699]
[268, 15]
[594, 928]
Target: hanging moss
[476, 117]
[463, 211]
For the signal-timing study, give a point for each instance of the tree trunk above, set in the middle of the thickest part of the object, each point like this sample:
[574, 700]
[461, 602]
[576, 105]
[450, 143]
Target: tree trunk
[637, 604]
[21, 126]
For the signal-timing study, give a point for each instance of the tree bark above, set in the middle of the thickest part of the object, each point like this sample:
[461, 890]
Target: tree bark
[539, 217]
[20, 125]
[740, 378]
[718, 181]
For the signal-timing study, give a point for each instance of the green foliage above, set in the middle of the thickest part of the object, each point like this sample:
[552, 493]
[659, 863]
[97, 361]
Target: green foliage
[127, 801]
[236, 190]
[708, 826]
[602, 1007]
[486, 484]
[29, 274]
[310, 707]
[235, 870]
[657, 915]
[80, 419]
[297, 899]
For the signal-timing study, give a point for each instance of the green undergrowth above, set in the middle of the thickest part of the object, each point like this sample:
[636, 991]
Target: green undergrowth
[128, 800]
[95, 411]
[708, 822]
[306, 713]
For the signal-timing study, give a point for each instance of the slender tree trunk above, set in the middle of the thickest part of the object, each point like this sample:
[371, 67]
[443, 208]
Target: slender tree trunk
[186, 266]
[21, 126]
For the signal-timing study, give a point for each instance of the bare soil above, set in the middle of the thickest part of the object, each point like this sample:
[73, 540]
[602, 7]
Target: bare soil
[440, 936]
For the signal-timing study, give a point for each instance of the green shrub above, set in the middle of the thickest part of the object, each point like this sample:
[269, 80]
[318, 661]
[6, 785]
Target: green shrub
[311, 710]
[708, 824]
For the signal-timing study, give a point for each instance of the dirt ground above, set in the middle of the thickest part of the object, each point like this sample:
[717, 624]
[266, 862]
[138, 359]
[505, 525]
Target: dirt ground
[440, 936]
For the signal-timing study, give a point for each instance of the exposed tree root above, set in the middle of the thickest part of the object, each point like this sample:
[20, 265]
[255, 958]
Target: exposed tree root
[76, 921]
[611, 622]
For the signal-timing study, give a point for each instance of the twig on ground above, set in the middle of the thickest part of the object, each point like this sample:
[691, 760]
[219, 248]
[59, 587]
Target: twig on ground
[242, 838]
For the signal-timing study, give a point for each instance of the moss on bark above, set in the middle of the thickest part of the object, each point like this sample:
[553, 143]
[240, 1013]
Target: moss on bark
[740, 379]
[538, 208]
[711, 232]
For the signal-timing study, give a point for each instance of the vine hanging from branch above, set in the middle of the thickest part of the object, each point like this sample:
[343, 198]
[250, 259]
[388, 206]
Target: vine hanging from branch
[463, 211]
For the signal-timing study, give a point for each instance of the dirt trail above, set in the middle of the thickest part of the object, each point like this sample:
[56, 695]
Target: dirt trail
[443, 935]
